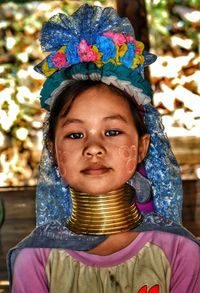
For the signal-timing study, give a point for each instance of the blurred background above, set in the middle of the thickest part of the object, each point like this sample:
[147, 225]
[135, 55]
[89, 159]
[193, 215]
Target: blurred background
[170, 29]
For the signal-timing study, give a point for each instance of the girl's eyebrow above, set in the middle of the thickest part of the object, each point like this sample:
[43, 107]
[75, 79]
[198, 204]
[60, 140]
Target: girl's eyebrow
[71, 120]
[79, 121]
[116, 117]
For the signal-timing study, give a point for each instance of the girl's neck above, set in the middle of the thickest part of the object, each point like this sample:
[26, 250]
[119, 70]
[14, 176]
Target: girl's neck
[111, 213]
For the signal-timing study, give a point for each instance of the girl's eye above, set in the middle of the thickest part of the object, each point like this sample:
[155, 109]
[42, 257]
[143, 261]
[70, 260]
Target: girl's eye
[113, 132]
[75, 135]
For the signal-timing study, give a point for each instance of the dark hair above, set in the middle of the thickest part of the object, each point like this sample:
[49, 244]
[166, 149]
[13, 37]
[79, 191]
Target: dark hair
[74, 88]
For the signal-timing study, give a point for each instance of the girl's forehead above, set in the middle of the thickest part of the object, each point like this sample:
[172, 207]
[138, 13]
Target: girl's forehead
[98, 99]
[97, 105]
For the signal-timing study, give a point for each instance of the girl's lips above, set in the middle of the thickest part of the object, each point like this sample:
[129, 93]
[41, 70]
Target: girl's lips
[95, 170]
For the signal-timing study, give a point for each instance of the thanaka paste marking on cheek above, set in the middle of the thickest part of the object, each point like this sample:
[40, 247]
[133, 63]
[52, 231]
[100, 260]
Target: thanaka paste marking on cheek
[124, 152]
[133, 151]
[127, 152]
[129, 155]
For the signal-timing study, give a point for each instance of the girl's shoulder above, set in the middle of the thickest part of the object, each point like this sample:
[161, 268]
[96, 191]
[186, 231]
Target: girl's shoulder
[171, 244]
[156, 223]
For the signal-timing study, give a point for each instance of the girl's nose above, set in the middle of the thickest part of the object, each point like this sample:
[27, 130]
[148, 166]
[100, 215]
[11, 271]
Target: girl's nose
[94, 149]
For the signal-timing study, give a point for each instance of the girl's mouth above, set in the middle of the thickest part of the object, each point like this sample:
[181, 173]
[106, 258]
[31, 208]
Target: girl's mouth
[95, 170]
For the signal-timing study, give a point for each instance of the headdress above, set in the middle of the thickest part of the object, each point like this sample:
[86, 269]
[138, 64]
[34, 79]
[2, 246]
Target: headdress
[97, 44]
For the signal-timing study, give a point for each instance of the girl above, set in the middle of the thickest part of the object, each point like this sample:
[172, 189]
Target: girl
[102, 225]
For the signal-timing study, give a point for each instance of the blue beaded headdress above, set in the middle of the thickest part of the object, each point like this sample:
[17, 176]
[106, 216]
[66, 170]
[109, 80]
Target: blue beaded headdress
[97, 44]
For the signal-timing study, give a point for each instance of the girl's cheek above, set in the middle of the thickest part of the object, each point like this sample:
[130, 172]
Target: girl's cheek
[124, 152]
[129, 155]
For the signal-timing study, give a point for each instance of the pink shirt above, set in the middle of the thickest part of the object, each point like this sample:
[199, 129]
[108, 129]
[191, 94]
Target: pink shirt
[154, 262]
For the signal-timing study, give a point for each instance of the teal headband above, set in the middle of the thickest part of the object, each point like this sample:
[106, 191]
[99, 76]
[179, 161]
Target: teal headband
[120, 76]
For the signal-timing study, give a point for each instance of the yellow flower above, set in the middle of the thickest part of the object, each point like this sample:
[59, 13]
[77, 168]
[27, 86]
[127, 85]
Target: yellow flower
[122, 50]
[98, 62]
[62, 49]
[139, 59]
[47, 71]
[139, 45]
[116, 59]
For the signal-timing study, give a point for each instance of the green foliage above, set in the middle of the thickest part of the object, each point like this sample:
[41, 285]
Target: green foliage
[165, 22]
[189, 3]
[158, 16]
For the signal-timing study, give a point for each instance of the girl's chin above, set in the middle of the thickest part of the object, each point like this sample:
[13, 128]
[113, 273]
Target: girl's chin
[96, 191]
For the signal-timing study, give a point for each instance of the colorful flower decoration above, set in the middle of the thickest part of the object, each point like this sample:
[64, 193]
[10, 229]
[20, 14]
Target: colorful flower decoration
[116, 48]
[71, 41]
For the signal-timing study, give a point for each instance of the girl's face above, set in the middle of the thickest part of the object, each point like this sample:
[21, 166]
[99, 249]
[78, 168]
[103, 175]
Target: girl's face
[97, 147]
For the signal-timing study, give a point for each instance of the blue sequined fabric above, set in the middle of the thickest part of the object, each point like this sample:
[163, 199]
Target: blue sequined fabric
[86, 23]
[53, 200]
[162, 169]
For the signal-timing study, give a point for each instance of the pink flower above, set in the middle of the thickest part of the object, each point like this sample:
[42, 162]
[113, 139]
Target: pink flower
[130, 39]
[109, 34]
[83, 46]
[118, 39]
[86, 53]
[137, 51]
[59, 60]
